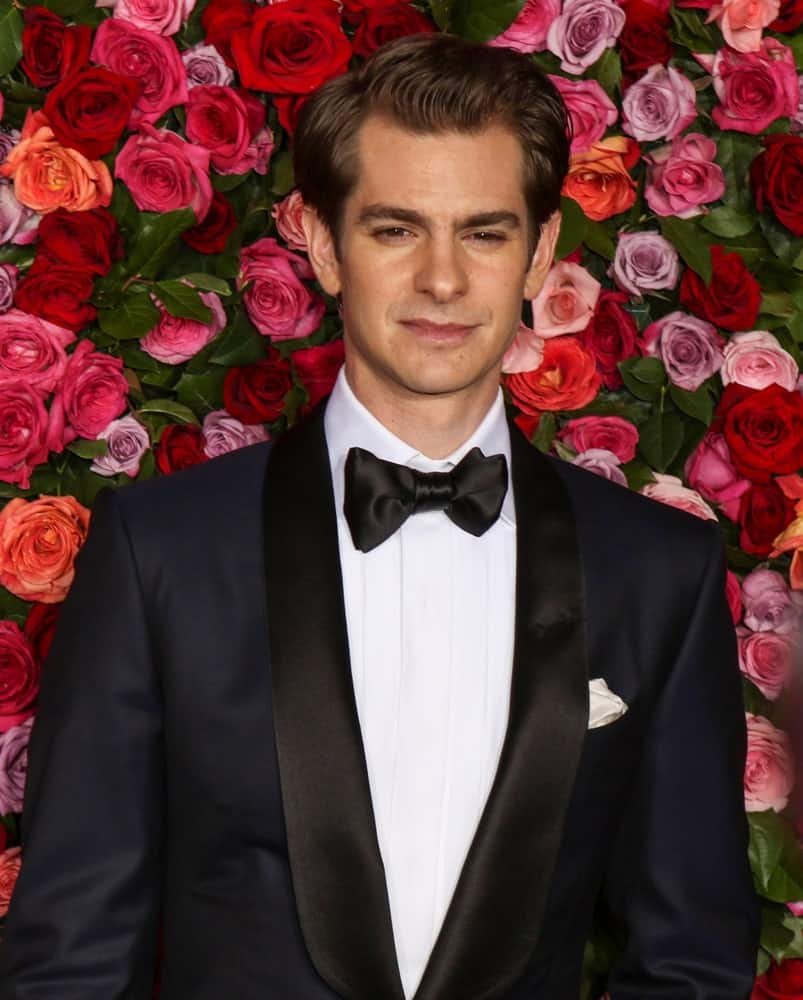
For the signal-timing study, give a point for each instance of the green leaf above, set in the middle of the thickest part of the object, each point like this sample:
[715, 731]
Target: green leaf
[441, 13]
[240, 344]
[123, 208]
[169, 407]
[133, 318]
[228, 182]
[660, 439]
[597, 239]
[281, 173]
[775, 857]
[726, 222]
[641, 390]
[782, 242]
[202, 392]
[690, 242]
[573, 225]
[84, 448]
[690, 30]
[607, 71]
[776, 939]
[735, 153]
[155, 240]
[778, 304]
[649, 370]
[482, 20]
[545, 432]
[10, 36]
[638, 474]
[208, 282]
[182, 300]
[698, 404]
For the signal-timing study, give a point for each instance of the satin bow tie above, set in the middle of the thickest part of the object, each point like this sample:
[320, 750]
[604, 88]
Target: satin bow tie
[381, 495]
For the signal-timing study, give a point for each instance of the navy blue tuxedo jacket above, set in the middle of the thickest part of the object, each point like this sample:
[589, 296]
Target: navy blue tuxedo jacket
[196, 762]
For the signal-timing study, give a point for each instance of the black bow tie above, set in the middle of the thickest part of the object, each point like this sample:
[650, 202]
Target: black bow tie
[381, 495]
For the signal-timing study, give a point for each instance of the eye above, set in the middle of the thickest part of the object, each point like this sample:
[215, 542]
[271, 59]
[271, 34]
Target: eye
[485, 236]
[392, 233]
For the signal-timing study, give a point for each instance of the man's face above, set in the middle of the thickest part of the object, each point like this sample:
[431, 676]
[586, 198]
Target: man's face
[433, 263]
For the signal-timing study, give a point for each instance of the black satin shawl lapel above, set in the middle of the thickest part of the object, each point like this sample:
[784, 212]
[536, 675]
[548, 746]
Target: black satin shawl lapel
[495, 915]
[337, 871]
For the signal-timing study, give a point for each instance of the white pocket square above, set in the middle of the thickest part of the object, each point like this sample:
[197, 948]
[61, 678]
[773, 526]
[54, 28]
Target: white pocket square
[604, 706]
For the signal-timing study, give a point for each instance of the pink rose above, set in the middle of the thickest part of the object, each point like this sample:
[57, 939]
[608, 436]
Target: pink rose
[710, 471]
[766, 659]
[24, 422]
[733, 592]
[683, 176]
[287, 214]
[741, 21]
[590, 109]
[223, 433]
[755, 359]
[228, 124]
[528, 32]
[644, 262]
[769, 604]
[614, 434]
[32, 350]
[127, 442]
[174, 339]
[150, 58]
[582, 32]
[690, 348]
[670, 490]
[205, 66]
[92, 392]
[659, 105]
[164, 17]
[754, 88]
[14, 766]
[278, 302]
[526, 352]
[769, 774]
[18, 223]
[566, 301]
[603, 462]
[165, 173]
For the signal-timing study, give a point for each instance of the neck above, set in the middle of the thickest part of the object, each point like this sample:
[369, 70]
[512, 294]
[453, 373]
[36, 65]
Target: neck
[433, 424]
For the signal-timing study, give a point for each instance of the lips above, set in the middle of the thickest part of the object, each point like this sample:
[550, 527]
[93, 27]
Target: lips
[438, 331]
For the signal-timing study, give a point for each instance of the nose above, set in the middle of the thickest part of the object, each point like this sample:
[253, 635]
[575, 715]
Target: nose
[441, 272]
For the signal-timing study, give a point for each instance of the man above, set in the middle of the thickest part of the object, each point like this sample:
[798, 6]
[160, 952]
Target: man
[344, 736]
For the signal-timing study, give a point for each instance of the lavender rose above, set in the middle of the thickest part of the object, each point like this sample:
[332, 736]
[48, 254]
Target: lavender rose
[769, 604]
[583, 31]
[659, 105]
[603, 462]
[205, 67]
[13, 766]
[18, 224]
[127, 442]
[9, 137]
[690, 348]
[223, 433]
[755, 359]
[645, 262]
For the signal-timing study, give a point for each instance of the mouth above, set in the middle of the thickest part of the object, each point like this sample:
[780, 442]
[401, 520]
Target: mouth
[445, 333]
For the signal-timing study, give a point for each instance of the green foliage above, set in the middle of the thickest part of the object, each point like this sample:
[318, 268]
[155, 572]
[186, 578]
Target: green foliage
[10, 36]
[482, 20]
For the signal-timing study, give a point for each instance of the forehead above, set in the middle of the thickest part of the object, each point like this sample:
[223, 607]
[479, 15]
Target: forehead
[446, 172]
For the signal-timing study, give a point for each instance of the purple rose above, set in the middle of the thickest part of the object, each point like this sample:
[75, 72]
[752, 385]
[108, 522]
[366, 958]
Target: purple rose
[9, 137]
[659, 105]
[690, 348]
[13, 766]
[683, 176]
[769, 604]
[223, 433]
[528, 32]
[603, 462]
[645, 262]
[18, 224]
[127, 442]
[205, 67]
[8, 285]
[583, 31]
[590, 109]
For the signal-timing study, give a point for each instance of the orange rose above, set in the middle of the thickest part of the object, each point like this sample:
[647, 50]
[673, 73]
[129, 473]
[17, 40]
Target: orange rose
[566, 379]
[598, 179]
[48, 176]
[10, 864]
[39, 540]
[791, 540]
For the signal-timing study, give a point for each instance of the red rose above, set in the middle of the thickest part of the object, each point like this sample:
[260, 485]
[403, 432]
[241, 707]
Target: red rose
[89, 240]
[219, 223]
[781, 982]
[51, 50]
[58, 293]
[611, 336]
[776, 175]
[19, 676]
[10, 864]
[644, 40]
[291, 47]
[179, 447]
[790, 16]
[764, 512]
[763, 429]
[383, 24]
[733, 298]
[527, 423]
[355, 10]
[220, 19]
[220, 120]
[89, 109]
[39, 628]
[566, 379]
[289, 108]
[255, 393]
[317, 368]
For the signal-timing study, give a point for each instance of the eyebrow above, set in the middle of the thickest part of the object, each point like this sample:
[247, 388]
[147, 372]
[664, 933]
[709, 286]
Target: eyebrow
[375, 212]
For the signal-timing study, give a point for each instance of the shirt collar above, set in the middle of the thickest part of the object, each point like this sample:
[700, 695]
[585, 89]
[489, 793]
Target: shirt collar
[348, 424]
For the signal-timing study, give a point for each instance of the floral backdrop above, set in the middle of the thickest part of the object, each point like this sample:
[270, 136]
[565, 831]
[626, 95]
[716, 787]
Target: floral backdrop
[157, 308]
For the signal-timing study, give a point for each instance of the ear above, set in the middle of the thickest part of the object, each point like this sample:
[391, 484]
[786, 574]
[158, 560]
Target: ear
[543, 256]
[321, 250]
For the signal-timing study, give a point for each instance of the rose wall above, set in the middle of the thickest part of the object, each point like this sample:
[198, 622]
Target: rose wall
[157, 308]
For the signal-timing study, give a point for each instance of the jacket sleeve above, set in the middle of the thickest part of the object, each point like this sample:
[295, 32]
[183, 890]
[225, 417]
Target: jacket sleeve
[83, 920]
[679, 883]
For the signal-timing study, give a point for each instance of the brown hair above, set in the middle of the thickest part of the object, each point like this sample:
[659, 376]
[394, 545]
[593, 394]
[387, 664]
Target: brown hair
[431, 83]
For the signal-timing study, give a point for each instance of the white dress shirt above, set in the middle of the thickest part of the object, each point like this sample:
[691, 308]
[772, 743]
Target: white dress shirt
[430, 620]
